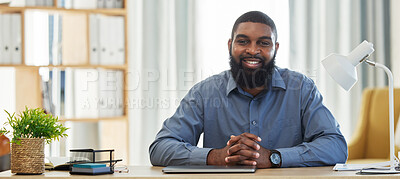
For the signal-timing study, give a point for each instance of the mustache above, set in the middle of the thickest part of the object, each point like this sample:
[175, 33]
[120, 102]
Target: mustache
[256, 56]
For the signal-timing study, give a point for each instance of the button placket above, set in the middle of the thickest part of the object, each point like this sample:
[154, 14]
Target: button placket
[253, 117]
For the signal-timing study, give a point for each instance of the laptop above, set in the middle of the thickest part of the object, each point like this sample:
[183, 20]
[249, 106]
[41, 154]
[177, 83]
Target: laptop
[209, 169]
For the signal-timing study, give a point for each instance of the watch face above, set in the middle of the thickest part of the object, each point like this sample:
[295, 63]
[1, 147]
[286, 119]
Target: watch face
[275, 158]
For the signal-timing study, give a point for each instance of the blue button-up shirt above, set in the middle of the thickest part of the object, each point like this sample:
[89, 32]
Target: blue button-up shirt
[288, 115]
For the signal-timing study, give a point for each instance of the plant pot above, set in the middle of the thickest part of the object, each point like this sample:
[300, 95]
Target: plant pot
[28, 156]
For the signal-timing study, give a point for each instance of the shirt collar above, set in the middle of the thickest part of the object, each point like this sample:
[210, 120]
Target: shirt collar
[277, 81]
[231, 83]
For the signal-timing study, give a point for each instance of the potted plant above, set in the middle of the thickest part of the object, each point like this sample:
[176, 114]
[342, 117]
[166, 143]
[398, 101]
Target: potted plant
[30, 130]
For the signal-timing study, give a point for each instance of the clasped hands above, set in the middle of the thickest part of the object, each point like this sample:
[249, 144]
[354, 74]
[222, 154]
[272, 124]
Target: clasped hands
[241, 150]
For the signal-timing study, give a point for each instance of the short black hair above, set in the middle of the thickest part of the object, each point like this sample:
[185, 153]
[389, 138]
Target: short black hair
[257, 17]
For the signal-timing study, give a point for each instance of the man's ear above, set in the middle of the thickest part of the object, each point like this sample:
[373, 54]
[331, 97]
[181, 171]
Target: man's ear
[276, 47]
[229, 44]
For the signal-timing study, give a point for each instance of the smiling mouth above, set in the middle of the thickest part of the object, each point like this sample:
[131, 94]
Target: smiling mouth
[252, 62]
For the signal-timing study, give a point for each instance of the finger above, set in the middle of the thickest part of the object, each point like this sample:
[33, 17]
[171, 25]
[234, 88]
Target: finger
[233, 140]
[248, 153]
[236, 139]
[248, 162]
[235, 159]
[252, 136]
[249, 142]
[237, 147]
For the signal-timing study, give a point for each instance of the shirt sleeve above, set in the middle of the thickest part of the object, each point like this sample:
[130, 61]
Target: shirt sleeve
[323, 143]
[176, 142]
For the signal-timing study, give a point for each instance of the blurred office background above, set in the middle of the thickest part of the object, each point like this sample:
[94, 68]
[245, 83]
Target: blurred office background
[185, 41]
[174, 44]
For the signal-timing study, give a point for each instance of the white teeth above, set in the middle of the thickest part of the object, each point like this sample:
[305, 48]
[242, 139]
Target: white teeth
[252, 62]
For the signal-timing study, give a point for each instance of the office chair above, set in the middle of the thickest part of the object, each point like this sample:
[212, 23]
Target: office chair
[370, 141]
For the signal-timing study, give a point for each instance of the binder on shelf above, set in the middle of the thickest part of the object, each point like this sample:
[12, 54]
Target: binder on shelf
[119, 111]
[107, 93]
[17, 3]
[111, 40]
[109, 4]
[118, 40]
[47, 91]
[105, 40]
[36, 38]
[16, 51]
[6, 48]
[49, 3]
[60, 3]
[55, 37]
[84, 4]
[52, 35]
[56, 90]
[94, 39]
[68, 4]
[69, 101]
[86, 93]
[119, 3]
[30, 3]
[1, 39]
[40, 3]
[101, 4]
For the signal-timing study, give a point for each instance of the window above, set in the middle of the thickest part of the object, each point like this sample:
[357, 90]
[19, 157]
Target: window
[214, 21]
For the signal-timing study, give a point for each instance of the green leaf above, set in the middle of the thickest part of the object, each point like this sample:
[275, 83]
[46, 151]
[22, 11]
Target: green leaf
[34, 123]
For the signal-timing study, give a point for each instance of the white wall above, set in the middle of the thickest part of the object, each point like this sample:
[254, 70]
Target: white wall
[395, 40]
[7, 93]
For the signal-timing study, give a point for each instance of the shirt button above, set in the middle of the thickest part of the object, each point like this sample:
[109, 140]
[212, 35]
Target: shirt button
[254, 123]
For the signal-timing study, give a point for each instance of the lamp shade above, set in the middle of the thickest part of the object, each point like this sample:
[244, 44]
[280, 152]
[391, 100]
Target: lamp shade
[343, 68]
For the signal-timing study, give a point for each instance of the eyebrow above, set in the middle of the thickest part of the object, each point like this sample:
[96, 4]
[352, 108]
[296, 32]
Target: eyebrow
[245, 36]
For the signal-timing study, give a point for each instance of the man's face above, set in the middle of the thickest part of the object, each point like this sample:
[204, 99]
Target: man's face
[252, 50]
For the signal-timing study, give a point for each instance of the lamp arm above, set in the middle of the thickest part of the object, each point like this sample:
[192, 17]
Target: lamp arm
[391, 110]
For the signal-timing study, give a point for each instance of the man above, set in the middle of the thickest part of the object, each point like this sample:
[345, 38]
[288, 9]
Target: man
[254, 114]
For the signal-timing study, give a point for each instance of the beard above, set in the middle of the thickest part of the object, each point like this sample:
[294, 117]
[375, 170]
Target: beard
[251, 78]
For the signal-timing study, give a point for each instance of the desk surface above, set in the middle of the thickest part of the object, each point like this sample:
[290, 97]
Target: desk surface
[155, 172]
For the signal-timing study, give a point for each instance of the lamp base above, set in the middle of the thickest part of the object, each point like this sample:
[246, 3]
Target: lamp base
[378, 171]
[381, 169]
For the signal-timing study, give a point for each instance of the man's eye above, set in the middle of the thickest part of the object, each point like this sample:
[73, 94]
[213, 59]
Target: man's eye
[241, 41]
[265, 43]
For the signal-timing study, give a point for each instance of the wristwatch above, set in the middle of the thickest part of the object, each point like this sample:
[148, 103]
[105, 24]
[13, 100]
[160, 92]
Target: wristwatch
[275, 159]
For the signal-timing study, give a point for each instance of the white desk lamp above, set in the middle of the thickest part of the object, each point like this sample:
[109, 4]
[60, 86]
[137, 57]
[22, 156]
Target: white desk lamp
[343, 70]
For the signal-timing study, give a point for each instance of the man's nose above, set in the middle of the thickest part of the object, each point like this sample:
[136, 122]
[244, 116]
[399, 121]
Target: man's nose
[253, 49]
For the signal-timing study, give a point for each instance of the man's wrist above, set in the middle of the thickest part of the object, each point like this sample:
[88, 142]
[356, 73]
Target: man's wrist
[275, 158]
[215, 157]
[209, 157]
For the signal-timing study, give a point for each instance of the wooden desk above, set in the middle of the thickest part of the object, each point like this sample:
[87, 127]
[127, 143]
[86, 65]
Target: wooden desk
[155, 172]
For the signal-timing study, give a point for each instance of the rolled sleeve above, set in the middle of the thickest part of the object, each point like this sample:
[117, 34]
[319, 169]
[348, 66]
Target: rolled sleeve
[290, 157]
[199, 156]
